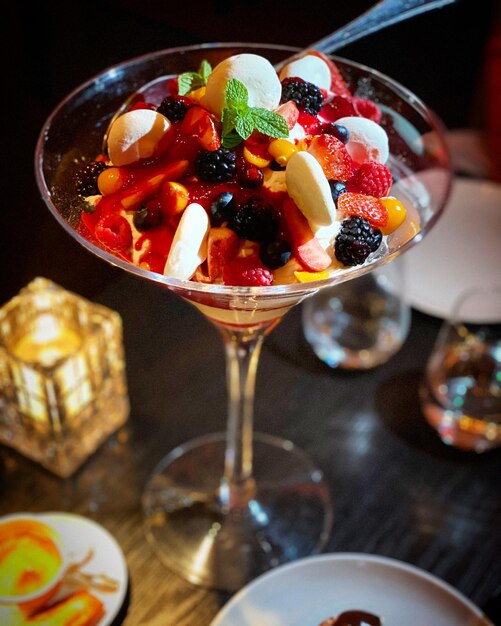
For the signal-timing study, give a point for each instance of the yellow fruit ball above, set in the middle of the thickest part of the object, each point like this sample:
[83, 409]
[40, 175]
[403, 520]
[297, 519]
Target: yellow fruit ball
[281, 150]
[396, 214]
[111, 180]
[174, 197]
[258, 160]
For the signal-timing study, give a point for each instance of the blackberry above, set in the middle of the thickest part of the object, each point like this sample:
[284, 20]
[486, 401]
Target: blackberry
[337, 188]
[222, 208]
[307, 96]
[173, 109]
[86, 178]
[275, 254]
[216, 166]
[255, 220]
[356, 240]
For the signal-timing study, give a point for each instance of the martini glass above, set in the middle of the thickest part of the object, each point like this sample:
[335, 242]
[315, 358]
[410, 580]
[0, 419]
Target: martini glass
[223, 508]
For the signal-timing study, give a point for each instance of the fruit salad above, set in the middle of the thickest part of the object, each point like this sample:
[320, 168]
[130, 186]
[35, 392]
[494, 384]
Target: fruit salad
[244, 176]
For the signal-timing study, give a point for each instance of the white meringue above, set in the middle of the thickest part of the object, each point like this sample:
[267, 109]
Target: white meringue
[136, 135]
[368, 140]
[310, 68]
[254, 71]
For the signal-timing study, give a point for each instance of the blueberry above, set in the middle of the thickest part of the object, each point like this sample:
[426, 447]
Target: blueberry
[338, 131]
[275, 254]
[337, 188]
[147, 216]
[222, 208]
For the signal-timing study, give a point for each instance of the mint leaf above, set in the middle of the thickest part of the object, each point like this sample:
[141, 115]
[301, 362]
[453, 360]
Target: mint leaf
[245, 124]
[269, 123]
[188, 81]
[204, 70]
[236, 95]
[185, 82]
[228, 119]
[231, 140]
[239, 120]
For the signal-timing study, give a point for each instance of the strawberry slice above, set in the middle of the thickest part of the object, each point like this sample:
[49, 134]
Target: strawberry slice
[199, 123]
[368, 207]
[307, 248]
[338, 84]
[289, 111]
[332, 155]
[222, 246]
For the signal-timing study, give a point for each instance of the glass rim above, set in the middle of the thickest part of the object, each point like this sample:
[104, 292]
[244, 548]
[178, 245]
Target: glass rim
[462, 314]
[271, 291]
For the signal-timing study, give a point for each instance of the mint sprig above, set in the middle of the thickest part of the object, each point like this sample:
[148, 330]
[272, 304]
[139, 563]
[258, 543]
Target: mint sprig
[240, 120]
[189, 81]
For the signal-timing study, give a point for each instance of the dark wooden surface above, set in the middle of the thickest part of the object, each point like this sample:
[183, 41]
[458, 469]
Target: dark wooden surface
[397, 490]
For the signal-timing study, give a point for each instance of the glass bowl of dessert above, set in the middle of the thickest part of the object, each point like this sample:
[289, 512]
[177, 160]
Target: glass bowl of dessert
[243, 178]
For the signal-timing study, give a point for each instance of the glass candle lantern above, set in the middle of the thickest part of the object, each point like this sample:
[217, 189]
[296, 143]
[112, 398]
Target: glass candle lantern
[63, 389]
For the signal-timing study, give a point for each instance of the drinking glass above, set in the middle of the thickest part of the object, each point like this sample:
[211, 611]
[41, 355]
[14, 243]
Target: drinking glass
[224, 508]
[361, 323]
[461, 390]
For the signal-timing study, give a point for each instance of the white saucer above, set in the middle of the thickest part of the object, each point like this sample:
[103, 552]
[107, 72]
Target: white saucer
[79, 535]
[462, 251]
[308, 591]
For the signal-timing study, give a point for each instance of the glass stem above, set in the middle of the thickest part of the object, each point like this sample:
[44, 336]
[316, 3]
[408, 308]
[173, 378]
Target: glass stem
[243, 348]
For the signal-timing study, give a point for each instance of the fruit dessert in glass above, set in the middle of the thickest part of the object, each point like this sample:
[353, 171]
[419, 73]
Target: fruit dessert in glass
[242, 190]
[239, 175]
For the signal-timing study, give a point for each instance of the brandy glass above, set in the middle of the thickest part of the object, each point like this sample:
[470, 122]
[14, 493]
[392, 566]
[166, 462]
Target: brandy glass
[223, 508]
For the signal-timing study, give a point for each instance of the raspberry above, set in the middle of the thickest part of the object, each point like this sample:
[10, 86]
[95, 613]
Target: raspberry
[368, 207]
[216, 166]
[86, 178]
[367, 108]
[371, 179]
[173, 109]
[307, 96]
[114, 232]
[355, 241]
[332, 155]
[338, 107]
[246, 272]
[255, 220]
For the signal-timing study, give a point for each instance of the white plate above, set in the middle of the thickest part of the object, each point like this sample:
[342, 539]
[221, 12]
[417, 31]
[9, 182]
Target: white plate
[307, 591]
[462, 251]
[78, 536]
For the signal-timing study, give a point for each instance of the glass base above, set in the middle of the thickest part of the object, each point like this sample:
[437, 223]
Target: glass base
[288, 516]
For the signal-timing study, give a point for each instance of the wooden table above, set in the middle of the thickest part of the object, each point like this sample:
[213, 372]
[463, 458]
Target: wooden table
[397, 490]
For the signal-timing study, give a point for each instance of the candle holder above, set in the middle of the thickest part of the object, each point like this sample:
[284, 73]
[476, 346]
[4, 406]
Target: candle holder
[63, 389]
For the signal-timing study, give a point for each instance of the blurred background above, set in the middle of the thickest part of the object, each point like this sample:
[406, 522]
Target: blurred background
[53, 46]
